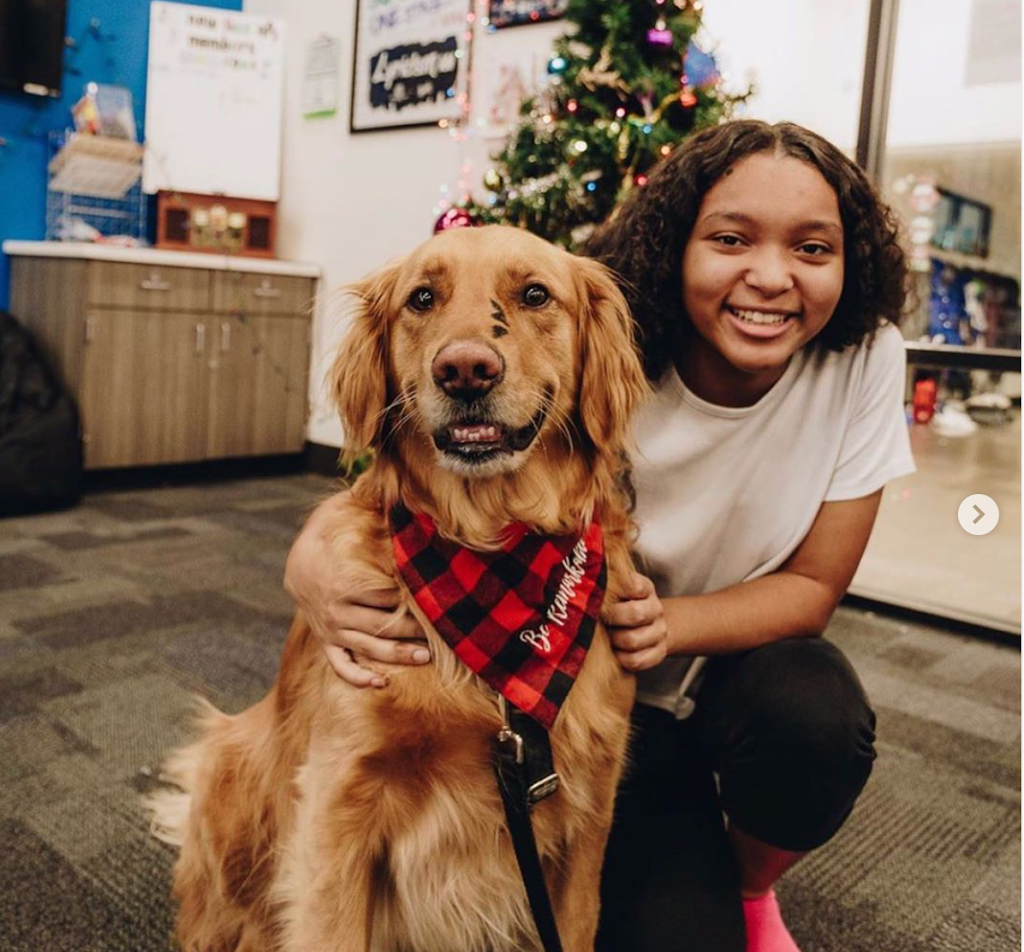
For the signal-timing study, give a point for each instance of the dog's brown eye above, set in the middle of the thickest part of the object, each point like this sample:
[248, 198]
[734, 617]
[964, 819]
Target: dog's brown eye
[536, 295]
[422, 299]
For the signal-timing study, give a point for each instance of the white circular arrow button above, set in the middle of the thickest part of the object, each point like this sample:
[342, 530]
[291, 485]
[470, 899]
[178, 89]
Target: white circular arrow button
[978, 514]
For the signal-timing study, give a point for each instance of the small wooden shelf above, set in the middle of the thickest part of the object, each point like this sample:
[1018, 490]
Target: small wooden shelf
[970, 263]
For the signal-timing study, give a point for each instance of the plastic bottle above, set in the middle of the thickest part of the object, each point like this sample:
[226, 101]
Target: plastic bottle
[925, 391]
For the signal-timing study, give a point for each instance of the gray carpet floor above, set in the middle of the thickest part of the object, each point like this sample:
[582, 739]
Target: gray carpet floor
[114, 613]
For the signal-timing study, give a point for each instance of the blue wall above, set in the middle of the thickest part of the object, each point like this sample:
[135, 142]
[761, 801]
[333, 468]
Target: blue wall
[26, 120]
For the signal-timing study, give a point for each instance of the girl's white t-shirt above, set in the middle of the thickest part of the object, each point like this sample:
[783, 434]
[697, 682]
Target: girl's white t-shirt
[726, 494]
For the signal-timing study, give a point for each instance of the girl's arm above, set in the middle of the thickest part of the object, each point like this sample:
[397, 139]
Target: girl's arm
[797, 599]
[347, 623]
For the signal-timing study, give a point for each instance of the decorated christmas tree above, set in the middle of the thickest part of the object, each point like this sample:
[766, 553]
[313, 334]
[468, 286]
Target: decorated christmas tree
[625, 87]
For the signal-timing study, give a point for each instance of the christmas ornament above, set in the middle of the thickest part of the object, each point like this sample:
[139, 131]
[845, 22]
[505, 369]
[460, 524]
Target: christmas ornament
[701, 68]
[453, 218]
[602, 75]
[622, 146]
[660, 35]
[492, 179]
[557, 64]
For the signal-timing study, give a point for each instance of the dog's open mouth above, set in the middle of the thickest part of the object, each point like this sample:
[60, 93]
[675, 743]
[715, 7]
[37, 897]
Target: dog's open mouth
[477, 442]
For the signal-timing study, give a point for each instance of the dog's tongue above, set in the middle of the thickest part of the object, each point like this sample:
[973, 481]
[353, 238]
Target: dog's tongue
[476, 433]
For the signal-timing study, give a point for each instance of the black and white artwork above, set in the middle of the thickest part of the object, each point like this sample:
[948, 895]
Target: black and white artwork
[411, 63]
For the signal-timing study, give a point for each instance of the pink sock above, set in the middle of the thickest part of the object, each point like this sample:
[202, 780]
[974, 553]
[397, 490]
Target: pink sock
[766, 932]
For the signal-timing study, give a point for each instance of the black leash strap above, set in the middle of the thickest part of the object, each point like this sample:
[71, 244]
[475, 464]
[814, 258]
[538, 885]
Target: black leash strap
[526, 775]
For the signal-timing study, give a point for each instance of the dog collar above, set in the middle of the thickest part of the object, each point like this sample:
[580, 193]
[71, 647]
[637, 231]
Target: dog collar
[522, 617]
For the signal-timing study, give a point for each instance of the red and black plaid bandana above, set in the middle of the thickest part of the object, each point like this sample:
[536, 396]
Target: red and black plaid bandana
[521, 617]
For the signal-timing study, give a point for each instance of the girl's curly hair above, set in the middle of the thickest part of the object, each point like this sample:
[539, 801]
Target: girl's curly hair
[644, 241]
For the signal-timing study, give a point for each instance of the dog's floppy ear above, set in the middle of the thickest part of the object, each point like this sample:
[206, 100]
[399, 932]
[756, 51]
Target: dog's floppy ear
[359, 377]
[612, 382]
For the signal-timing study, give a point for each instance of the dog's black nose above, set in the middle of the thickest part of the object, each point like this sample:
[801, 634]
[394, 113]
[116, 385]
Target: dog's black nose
[467, 370]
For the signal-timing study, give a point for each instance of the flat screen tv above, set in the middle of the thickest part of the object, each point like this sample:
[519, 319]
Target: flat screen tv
[32, 45]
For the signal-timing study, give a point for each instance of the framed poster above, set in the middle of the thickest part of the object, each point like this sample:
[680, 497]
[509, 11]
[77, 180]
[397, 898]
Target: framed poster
[411, 63]
[519, 12]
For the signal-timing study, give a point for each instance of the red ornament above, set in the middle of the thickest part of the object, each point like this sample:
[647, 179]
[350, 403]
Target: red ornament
[688, 100]
[453, 218]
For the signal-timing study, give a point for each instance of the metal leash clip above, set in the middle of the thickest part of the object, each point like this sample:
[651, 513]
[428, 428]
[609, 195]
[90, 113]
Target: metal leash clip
[537, 787]
[506, 733]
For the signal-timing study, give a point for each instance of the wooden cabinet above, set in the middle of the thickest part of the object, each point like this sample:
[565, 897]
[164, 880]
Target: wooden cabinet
[172, 364]
[250, 293]
[143, 388]
[147, 287]
[257, 396]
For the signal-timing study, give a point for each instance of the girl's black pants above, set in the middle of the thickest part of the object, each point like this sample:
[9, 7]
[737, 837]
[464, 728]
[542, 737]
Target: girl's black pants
[788, 733]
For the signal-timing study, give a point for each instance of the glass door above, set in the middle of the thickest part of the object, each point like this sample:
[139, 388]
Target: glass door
[951, 168]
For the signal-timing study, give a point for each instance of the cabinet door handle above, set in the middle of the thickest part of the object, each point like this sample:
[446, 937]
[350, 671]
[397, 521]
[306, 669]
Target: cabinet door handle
[90, 329]
[200, 338]
[154, 284]
[266, 291]
[225, 336]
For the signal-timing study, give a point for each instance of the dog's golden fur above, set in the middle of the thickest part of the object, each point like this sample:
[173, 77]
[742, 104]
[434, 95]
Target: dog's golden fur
[328, 817]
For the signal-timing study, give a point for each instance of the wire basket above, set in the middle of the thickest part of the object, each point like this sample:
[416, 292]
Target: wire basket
[94, 189]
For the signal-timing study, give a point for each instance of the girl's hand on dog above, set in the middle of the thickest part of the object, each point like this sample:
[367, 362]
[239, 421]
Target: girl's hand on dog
[349, 624]
[636, 625]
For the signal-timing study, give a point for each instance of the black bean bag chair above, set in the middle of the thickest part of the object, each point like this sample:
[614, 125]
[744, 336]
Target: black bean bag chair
[40, 435]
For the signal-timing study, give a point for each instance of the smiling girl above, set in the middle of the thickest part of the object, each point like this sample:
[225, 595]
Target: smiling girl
[766, 280]
[766, 283]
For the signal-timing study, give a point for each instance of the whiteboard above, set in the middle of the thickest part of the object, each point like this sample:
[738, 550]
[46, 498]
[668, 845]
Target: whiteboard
[214, 102]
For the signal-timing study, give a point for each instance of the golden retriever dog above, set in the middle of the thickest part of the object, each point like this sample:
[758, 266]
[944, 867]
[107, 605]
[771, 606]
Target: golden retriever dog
[494, 375]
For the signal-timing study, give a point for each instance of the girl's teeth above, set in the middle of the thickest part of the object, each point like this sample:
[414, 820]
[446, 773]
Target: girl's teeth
[759, 317]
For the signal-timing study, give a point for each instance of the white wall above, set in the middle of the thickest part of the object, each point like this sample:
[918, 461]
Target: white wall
[931, 103]
[806, 58]
[351, 203]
